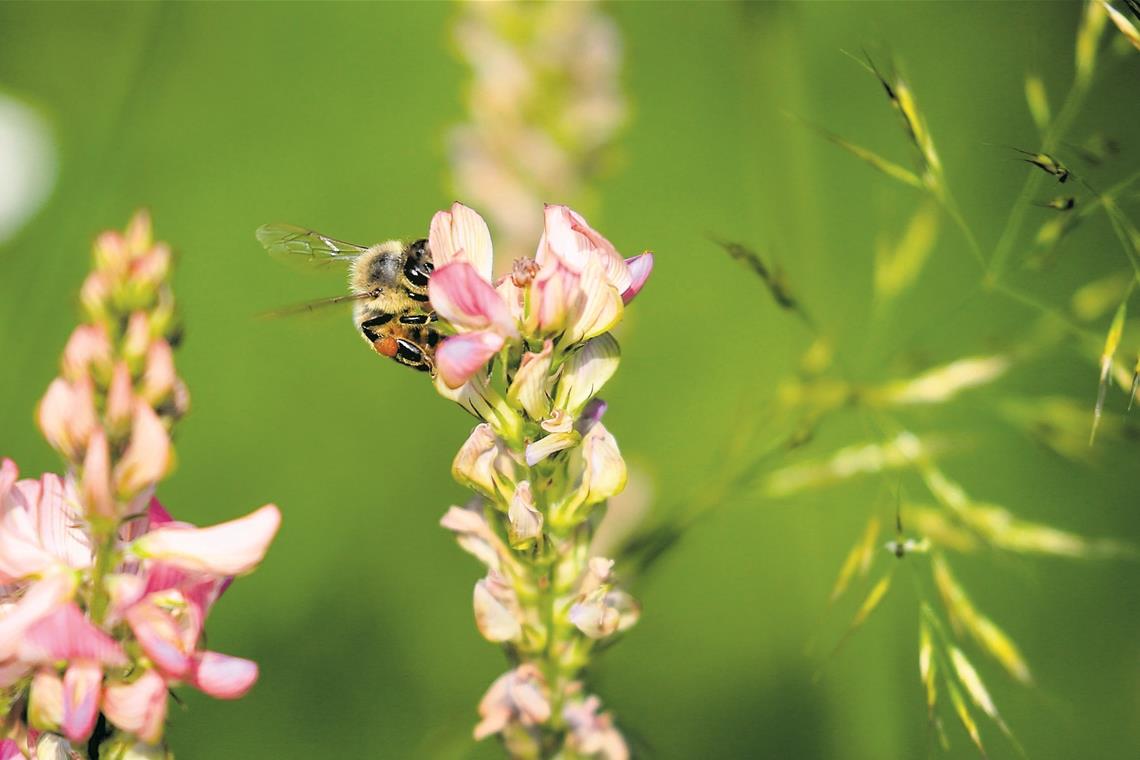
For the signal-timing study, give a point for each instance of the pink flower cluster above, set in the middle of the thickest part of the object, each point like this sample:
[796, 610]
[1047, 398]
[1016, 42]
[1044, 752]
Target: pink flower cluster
[574, 289]
[164, 578]
[103, 596]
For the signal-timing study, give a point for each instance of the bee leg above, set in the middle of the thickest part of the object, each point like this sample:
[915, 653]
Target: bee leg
[367, 325]
[410, 354]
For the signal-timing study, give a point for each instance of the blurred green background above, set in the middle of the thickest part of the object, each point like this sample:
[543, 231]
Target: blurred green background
[221, 117]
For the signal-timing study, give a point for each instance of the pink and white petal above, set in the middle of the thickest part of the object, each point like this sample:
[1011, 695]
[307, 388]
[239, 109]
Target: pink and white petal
[82, 686]
[66, 634]
[466, 299]
[139, 707]
[147, 458]
[461, 356]
[10, 750]
[640, 268]
[161, 639]
[599, 305]
[40, 600]
[22, 554]
[569, 237]
[223, 676]
[461, 235]
[59, 525]
[230, 548]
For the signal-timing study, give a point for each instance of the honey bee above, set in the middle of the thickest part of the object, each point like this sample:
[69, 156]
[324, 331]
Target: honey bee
[388, 287]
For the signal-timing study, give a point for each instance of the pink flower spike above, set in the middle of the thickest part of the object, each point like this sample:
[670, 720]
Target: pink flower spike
[147, 458]
[82, 684]
[223, 676]
[466, 299]
[460, 235]
[138, 708]
[640, 268]
[461, 356]
[66, 634]
[230, 548]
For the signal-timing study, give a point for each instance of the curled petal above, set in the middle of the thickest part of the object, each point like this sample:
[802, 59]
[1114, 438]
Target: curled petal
[519, 695]
[640, 268]
[605, 469]
[604, 612]
[466, 299]
[484, 463]
[528, 388]
[460, 235]
[459, 357]
[230, 548]
[82, 684]
[525, 520]
[66, 634]
[570, 238]
[585, 372]
[147, 458]
[598, 305]
[551, 444]
[223, 676]
[496, 609]
[138, 707]
[476, 537]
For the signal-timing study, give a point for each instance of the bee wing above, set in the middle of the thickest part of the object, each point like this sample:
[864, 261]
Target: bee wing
[291, 243]
[311, 306]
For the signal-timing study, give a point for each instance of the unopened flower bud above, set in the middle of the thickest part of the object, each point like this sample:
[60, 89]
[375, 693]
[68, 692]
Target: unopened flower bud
[95, 297]
[88, 352]
[147, 458]
[137, 340]
[525, 520]
[158, 376]
[120, 402]
[67, 416]
[95, 484]
[111, 254]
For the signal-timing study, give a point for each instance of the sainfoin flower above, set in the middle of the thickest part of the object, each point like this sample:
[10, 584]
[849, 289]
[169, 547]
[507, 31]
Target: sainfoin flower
[529, 352]
[574, 288]
[162, 593]
[103, 596]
